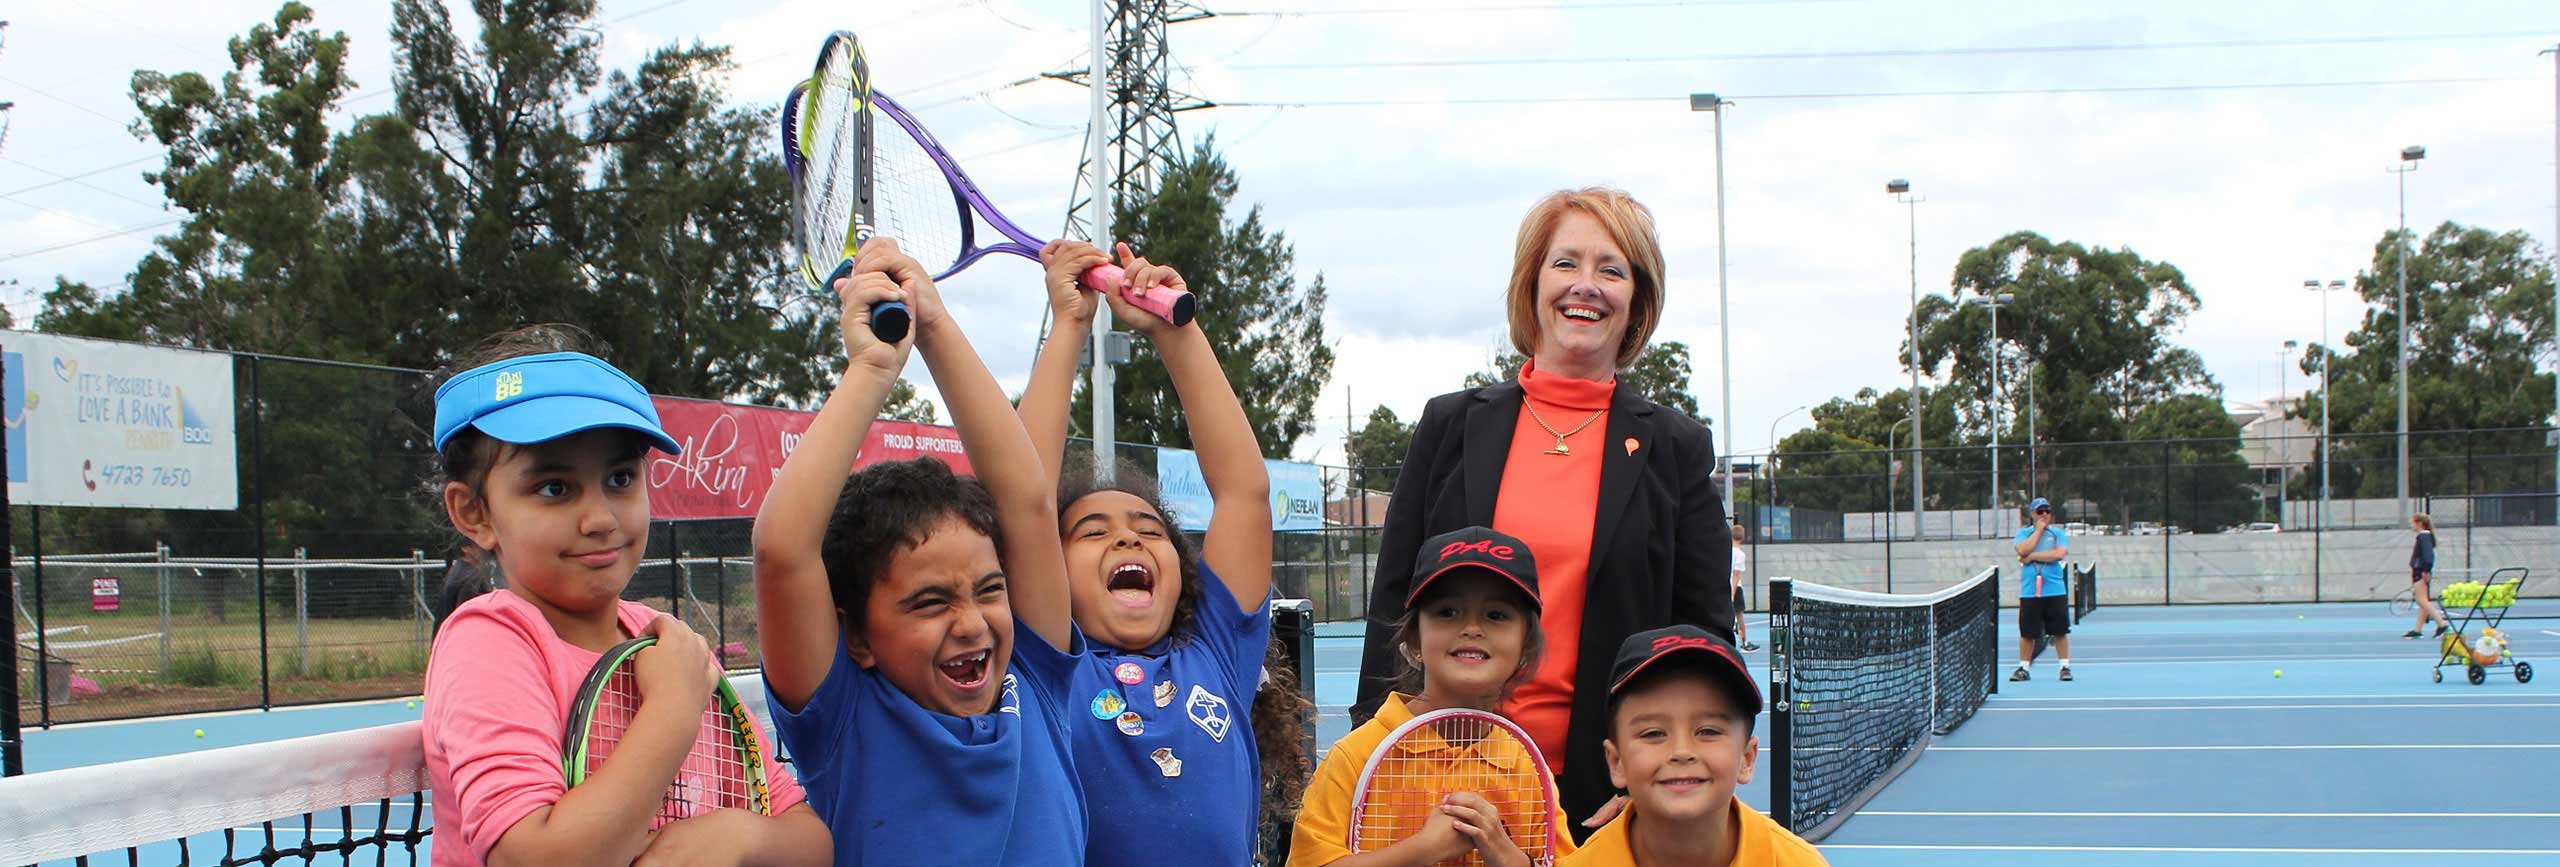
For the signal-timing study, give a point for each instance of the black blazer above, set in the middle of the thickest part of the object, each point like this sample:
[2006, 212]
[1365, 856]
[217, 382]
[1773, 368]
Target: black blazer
[1661, 552]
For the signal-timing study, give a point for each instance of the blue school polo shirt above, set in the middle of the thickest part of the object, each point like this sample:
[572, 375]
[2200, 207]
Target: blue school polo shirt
[900, 785]
[1165, 739]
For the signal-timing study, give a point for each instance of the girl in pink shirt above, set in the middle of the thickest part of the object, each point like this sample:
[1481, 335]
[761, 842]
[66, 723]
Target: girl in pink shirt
[542, 449]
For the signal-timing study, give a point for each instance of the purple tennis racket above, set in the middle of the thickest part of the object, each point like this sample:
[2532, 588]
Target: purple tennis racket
[922, 198]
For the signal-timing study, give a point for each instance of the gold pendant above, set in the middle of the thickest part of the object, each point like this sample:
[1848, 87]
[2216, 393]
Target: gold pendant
[1560, 449]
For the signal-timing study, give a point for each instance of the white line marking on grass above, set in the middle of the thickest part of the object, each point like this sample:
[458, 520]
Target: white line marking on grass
[2184, 814]
[1988, 708]
[2192, 849]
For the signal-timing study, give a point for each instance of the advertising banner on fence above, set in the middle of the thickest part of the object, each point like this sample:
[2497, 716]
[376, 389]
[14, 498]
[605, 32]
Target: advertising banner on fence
[1297, 491]
[97, 423]
[732, 453]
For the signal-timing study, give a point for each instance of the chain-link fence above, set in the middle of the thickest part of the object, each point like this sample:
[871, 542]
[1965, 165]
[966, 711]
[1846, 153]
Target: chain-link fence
[2241, 519]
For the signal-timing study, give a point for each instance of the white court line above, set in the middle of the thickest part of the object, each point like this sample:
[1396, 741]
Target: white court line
[2006, 698]
[2249, 850]
[1989, 708]
[2093, 814]
[2163, 748]
[224, 713]
[2239, 660]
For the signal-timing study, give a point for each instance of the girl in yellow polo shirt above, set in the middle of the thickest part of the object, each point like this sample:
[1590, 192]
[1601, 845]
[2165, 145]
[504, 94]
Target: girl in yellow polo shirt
[1468, 637]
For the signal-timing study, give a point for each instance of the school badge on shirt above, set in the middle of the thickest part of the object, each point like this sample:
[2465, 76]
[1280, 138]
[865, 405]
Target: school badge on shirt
[1129, 673]
[1209, 712]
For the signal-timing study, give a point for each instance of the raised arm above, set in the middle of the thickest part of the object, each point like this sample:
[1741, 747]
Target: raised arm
[1238, 546]
[1045, 401]
[795, 608]
[1000, 451]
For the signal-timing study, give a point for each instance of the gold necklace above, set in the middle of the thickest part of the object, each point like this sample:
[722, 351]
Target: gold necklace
[1561, 448]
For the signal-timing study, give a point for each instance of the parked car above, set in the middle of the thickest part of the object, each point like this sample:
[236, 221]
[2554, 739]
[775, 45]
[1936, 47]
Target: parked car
[2262, 527]
[2144, 528]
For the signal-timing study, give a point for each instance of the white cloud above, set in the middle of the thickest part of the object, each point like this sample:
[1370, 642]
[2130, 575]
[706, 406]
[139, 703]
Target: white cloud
[1409, 211]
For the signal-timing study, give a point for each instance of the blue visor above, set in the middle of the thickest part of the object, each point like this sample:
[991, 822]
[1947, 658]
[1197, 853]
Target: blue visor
[536, 398]
[2039, 503]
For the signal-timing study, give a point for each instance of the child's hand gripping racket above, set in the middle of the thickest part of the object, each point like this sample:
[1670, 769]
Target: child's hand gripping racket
[724, 768]
[1467, 783]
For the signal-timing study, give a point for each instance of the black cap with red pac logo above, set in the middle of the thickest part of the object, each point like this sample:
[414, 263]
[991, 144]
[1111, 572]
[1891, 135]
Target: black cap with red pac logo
[1479, 548]
[1654, 649]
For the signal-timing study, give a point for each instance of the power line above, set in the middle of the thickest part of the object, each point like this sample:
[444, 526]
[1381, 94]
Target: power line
[1880, 53]
[91, 240]
[75, 180]
[64, 179]
[1881, 94]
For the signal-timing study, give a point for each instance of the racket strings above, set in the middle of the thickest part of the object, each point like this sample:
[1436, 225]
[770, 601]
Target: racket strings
[714, 773]
[912, 200]
[829, 189]
[1456, 755]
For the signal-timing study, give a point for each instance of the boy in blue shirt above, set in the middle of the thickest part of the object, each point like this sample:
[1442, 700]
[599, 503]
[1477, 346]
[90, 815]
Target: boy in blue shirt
[2044, 600]
[917, 641]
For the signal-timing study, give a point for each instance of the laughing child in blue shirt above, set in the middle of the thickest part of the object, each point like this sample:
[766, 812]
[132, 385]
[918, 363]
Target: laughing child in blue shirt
[917, 640]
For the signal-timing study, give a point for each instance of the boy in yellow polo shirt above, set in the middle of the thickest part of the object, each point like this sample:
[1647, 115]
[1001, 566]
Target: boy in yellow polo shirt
[1681, 704]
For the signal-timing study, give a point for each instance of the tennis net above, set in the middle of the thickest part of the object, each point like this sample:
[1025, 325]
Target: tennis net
[345, 798]
[2084, 590]
[1859, 682]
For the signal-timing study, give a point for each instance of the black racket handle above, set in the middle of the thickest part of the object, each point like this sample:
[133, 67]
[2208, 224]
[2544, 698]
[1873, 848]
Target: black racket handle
[889, 319]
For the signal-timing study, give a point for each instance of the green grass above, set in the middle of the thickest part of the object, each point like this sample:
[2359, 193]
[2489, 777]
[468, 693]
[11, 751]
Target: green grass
[203, 666]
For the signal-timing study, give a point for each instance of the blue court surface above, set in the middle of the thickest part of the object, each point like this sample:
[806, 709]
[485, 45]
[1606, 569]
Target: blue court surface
[2178, 744]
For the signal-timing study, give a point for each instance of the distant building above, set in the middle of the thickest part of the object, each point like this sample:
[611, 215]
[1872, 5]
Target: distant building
[2277, 446]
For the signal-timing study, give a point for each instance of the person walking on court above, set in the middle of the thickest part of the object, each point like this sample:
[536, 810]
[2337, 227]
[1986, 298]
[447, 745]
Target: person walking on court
[2422, 566]
[1741, 559]
[2044, 601]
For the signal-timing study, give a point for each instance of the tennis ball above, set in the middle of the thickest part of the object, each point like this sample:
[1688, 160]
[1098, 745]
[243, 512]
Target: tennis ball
[413, 705]
[199, 732]
[2279, 672]
[2297, 617]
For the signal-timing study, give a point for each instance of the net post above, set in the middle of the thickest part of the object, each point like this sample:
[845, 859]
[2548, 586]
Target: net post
[1991, 636]
[1933, 669]
[1782, 603]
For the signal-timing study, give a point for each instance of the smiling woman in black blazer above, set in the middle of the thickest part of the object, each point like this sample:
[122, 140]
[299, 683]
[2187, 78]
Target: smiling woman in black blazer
[1614, 494]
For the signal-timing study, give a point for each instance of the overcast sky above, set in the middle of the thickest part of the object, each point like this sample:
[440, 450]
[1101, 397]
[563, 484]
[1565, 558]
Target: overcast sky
[2244, 142]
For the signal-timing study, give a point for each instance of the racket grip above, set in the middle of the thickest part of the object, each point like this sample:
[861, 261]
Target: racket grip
[889, 319]
[1172, 305]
